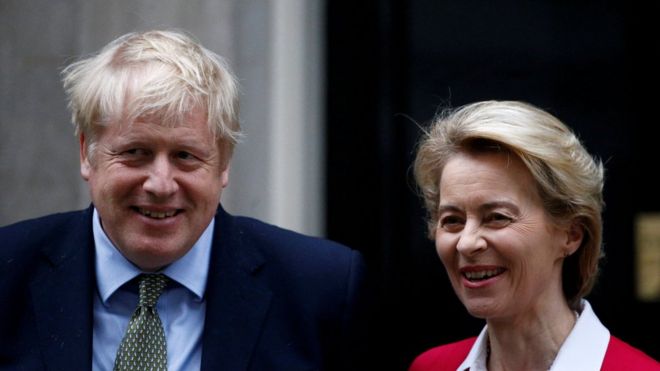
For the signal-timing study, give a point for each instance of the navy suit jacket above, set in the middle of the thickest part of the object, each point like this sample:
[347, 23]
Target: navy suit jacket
[276, 300]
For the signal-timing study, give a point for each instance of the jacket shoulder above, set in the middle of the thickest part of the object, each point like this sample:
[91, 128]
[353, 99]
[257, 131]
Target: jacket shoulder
[443, 357]
[22, 241]
[34, 229]
[38, 257]
[274, 240]
[623, 356]
[300, 267]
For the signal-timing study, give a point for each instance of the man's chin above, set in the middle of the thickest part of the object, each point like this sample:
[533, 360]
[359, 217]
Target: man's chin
[154, 256]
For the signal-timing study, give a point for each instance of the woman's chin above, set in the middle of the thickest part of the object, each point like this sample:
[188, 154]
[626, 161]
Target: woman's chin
[481, 309]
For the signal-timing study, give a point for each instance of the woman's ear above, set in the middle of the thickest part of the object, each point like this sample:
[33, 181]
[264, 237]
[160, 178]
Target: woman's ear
[574, 237]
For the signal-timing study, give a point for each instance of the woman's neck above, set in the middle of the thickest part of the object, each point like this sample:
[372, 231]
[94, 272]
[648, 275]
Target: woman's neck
[530, 341]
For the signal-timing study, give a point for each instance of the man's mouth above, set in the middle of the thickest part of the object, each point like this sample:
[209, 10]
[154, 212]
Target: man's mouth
[480, 275]
[156, 214]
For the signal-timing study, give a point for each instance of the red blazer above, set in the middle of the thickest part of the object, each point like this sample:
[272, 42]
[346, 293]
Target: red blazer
[619, 356]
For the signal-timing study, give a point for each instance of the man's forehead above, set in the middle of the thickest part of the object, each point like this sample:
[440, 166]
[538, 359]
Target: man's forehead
[146, 128]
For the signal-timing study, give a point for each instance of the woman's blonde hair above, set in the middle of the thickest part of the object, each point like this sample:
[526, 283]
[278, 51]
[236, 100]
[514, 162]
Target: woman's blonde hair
[569, 179]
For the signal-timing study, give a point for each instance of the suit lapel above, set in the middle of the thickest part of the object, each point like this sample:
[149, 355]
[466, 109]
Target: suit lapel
[237, 302]
[62, 297]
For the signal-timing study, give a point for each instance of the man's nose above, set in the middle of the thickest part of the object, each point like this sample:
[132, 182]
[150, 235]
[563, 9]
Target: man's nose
[160, 181]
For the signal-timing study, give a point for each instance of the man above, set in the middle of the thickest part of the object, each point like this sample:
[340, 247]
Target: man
[155, 260]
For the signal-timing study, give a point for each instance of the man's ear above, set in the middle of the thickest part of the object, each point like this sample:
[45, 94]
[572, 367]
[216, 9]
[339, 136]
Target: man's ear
[574, 237]
[85, 166]
[224, 176]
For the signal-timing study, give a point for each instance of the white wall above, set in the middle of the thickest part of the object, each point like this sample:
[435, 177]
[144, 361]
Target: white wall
[274, 47]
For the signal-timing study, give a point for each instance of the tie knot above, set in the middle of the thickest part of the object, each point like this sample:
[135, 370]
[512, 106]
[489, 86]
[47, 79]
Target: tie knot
[151, 286]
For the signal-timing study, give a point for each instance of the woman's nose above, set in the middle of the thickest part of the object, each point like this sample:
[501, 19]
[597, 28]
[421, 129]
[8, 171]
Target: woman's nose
[471, 240]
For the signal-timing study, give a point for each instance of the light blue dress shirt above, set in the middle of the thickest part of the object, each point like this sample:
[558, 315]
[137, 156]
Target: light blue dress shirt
[181, 307]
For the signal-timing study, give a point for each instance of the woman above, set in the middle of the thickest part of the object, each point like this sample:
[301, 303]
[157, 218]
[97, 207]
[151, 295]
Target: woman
[515, 203]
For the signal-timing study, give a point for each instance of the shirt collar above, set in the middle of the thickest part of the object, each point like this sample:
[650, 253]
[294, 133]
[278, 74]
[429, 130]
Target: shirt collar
[585, 346]
[476, 359]
[113, 270]
[583, 349]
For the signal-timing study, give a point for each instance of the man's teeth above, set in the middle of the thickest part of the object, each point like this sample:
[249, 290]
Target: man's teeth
[157, 214]
[480, 275]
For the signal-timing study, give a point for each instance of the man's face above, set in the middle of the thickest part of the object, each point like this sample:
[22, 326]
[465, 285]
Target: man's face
[156, 188]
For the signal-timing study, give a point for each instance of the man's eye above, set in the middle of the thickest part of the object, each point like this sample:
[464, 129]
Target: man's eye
[183, 155]
[136, 152]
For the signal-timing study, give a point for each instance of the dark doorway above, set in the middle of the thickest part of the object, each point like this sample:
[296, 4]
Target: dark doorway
[392, 64]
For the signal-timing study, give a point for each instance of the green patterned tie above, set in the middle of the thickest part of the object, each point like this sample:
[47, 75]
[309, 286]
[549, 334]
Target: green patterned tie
[144, 346]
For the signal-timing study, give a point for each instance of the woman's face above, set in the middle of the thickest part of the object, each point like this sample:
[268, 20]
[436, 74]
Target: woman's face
[501, 250]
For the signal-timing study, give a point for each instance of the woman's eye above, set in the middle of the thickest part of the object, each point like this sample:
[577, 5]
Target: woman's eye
[498, 219]
[451, 222]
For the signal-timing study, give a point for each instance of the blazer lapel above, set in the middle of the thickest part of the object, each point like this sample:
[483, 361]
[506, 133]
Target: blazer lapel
[62, 297]
[237, 302]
